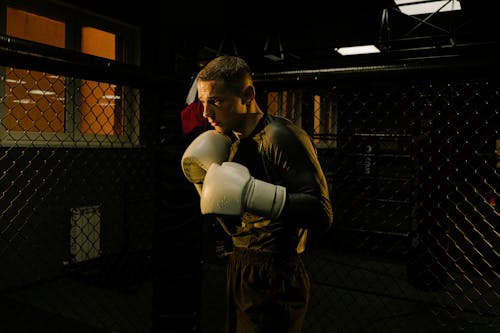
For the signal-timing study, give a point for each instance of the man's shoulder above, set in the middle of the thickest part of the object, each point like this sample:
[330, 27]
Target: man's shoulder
[280, 123]
[278, 120]
[281, 130]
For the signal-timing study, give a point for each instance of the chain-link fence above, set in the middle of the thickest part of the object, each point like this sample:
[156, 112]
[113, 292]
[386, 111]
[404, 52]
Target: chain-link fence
[77, 192]
[412, 162]
[414, 175]
[100, 232]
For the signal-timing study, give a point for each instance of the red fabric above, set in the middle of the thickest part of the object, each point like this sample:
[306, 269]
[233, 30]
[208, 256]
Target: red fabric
[192, 118]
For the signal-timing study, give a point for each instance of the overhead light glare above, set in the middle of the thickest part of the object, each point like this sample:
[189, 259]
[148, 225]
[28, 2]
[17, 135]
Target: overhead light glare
[361, 49]
[419, 7]
[273, 57]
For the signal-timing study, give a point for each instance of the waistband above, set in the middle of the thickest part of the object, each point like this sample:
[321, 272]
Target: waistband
[257, 254]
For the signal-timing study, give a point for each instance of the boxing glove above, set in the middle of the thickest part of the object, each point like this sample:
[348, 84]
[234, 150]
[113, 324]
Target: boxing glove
[207, 148]
[229, 189]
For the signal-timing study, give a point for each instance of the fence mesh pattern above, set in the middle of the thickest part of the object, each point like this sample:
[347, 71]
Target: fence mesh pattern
[100, 232]
[413, 174]
[77, 204]
[414, 182]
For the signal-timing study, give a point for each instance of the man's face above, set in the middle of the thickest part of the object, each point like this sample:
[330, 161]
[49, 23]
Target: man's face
[222, 108]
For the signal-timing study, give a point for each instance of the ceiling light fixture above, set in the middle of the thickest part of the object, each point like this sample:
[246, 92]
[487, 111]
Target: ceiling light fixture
[278, 55]
[418, 7]
[360, 49]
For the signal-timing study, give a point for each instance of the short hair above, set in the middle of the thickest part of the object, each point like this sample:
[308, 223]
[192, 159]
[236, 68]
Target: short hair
[232, 70]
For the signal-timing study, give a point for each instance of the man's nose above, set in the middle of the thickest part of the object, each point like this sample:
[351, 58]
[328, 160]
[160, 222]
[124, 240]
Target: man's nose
[207, 112]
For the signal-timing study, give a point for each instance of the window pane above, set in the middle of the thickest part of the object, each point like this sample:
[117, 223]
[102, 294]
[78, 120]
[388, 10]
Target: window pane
[34, 100]
[98, 43]
[101, 111]
[36, 28]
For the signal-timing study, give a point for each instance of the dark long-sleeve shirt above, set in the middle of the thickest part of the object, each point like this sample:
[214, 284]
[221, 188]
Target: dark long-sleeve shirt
[282, 153]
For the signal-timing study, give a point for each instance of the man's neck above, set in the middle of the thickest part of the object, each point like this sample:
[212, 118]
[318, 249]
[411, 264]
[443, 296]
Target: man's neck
[251, 121]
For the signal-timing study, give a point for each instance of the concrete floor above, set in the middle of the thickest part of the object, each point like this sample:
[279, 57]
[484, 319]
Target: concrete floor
[349, 294]
[360, 294]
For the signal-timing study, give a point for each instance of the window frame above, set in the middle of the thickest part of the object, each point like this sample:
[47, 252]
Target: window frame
[127, 52]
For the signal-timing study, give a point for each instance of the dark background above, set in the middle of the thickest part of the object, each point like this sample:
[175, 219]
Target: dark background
[176, 34]
[413, 169]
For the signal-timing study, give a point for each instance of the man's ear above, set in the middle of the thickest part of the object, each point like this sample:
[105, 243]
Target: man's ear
[248, 94]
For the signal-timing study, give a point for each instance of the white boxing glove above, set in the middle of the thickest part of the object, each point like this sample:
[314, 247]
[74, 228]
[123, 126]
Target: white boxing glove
[229, 189]
[207, 148]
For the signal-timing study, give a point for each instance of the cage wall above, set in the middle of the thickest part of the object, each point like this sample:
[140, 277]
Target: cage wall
[411, 154]
[101, 232]
[80, 145]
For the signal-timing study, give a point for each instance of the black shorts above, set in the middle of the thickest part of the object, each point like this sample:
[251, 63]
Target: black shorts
[266, 292]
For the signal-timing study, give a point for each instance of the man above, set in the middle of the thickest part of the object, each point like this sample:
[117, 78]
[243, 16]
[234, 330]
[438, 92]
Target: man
[260, 176]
